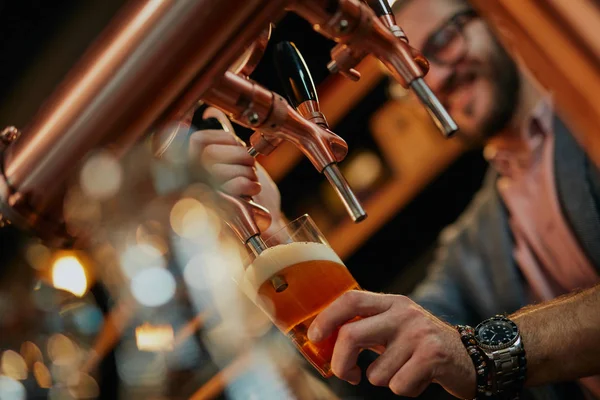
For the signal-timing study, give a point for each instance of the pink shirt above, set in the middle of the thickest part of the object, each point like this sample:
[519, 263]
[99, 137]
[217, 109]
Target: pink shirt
[545, 249]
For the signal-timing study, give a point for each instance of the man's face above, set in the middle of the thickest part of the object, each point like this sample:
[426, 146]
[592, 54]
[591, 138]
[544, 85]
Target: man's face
[471, 73]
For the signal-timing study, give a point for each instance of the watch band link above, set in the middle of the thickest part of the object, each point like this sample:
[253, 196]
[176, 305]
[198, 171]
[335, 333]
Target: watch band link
[509, 366]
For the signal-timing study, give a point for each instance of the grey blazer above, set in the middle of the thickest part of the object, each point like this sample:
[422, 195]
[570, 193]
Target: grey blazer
[474, 275]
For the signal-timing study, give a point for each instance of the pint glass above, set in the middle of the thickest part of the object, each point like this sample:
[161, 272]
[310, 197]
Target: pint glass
[293, 280]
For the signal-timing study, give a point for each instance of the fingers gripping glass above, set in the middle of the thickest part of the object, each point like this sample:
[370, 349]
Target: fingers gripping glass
[315, 277]
[448, 44]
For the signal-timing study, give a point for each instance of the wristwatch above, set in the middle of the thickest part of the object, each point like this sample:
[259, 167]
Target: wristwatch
[499, 338]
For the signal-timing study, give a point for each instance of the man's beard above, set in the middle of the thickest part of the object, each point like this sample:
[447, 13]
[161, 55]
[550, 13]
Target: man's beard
[506, 83]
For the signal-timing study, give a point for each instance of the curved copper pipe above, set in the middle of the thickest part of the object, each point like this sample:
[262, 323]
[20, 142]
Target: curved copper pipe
[247, 63]
[164, 137]
[134, 77]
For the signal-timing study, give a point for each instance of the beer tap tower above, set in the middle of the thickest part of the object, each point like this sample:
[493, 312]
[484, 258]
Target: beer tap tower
[149, 69]
[301, 122]
[274, 120]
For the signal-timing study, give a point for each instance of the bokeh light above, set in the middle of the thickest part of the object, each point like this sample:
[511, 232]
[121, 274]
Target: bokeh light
[13, 365]
[38, 256]
[101, 176]
[45, 297]
[83, 386]
[68, 274]
[11, 389]
[153, 287]
[151, 234]
[59, 393]
[190, 219]
[363, 170]
[206, 270]
[81, 212]
[63, 351]
[42, 375]
[138, 258]
[31, 354]
[87, 318]
[154, 338]
[61, 374]
[136, 368]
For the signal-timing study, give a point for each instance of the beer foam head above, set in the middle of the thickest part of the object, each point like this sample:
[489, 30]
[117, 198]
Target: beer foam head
[274, 259]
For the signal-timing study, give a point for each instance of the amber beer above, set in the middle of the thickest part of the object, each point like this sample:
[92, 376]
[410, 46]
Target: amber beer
[315, 276]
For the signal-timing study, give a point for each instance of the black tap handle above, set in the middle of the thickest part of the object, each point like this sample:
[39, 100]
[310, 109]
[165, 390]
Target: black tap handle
[294, 74]
[381, 7]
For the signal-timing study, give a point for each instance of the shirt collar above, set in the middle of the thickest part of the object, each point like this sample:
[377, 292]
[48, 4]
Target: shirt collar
[541, 118]
[538, 125]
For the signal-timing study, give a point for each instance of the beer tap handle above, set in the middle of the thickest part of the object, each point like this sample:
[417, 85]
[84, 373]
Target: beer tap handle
[297, 82]
[302, 94]
[381, 7]
[294, 75]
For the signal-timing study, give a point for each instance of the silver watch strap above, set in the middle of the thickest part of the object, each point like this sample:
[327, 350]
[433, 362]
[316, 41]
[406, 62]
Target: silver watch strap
[507, 368]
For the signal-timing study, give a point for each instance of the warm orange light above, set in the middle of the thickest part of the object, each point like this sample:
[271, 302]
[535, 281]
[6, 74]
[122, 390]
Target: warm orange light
[68, 274]
[363, 170]
[190, 219]
[38, 256]
[82, 386]
[63, 351]
[101, 176]
[42, 375]
[13, 365]
[31, 354]
[154, 338]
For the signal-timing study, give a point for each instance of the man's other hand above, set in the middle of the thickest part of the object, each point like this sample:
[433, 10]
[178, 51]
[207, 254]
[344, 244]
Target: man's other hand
[415, 347]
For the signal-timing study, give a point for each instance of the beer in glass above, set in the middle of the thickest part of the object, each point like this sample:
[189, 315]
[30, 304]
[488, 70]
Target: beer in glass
[296, 278]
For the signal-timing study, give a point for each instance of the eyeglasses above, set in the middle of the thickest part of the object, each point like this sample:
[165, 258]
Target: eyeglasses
[448, 44]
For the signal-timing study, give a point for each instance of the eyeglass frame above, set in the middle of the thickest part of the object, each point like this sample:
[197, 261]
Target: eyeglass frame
[457, 21]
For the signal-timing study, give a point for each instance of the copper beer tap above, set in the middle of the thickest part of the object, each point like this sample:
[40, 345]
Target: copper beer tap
[251, 105]
[345, 58]
[358, 30]
[302, 95]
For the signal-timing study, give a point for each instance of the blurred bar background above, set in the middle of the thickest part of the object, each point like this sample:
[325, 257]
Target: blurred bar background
[412, 182]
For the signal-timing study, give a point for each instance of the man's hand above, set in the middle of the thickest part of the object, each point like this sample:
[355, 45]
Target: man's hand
[222, 155]
[415, 348]
[225, 156]
[270, 197]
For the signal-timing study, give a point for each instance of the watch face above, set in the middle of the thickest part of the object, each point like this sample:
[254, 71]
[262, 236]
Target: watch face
[496, 333]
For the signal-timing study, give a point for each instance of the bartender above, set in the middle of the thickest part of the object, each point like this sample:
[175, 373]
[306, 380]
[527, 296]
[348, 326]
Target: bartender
[531, 235]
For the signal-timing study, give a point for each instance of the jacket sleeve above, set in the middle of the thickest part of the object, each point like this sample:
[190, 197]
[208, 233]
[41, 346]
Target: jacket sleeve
[461, 261]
